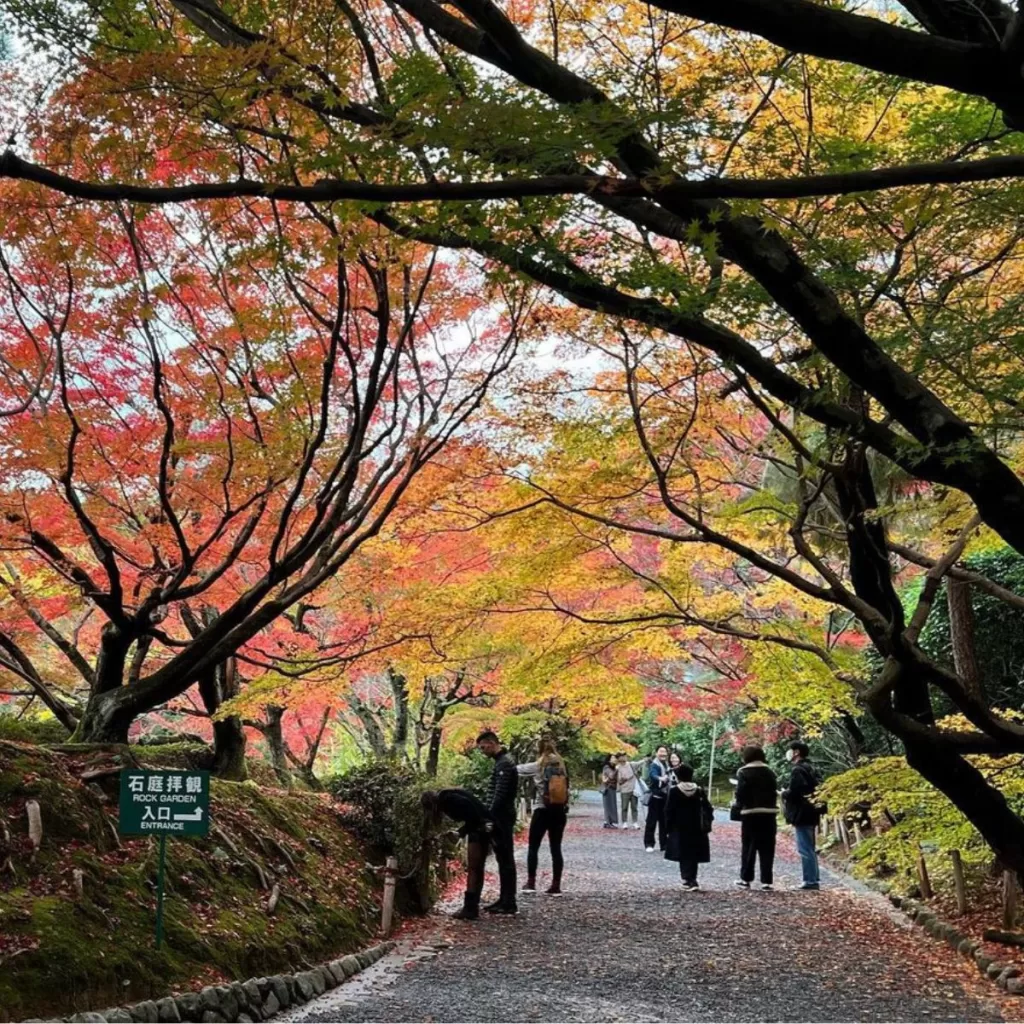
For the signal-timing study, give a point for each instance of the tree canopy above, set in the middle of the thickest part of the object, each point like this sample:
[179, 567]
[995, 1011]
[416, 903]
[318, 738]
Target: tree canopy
[786, 232]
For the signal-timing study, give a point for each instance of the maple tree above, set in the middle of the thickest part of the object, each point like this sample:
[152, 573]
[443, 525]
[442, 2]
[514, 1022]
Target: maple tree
[242, 398]
[790, 201]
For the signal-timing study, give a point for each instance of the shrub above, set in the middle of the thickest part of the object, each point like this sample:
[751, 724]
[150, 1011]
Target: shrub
[32, 730]
[905, 812]
[380, 803]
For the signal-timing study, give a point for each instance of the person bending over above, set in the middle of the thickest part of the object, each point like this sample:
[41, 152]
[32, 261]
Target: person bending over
[477, 828]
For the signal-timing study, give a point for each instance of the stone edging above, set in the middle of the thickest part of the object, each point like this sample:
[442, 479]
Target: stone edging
[257, 999]
[1006, 975]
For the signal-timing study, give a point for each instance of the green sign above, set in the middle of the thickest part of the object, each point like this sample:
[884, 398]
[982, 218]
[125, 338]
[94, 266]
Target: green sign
[164, 803]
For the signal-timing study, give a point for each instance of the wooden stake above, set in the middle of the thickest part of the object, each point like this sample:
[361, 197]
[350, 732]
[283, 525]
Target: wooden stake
[857, 836]
[922, 876]
[843, 834]
[35, 825]
[958, 882]
[388, 912]
[275, 896]
[1009, 899]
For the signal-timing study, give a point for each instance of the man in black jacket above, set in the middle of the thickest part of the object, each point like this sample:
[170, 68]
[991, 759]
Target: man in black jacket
[802, 812]
[501, 802]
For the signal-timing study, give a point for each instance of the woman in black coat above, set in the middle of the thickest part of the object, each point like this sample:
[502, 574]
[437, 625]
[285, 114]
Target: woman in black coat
[477, 827]
[688, 816]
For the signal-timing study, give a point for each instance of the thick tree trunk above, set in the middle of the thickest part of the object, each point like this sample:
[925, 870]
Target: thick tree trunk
[216, 687]
[112, 658]
[107, 718]
[980, 802]
[229, 749]
[400, 695]
[371, 727]
[309, 778]
[112, 707]
[961, 632]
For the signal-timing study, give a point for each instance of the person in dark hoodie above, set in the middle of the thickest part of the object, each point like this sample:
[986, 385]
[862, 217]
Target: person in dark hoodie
[688, 817]
[477, 828]
[501, 804]
[757, 799]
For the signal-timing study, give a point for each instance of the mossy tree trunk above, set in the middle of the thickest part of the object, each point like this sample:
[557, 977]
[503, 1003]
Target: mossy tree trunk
[215, 688]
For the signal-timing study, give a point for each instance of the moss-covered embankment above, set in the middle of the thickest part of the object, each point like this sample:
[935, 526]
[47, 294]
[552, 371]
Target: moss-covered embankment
[77, 915]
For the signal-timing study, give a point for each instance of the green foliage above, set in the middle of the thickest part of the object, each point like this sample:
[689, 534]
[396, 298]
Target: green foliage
[522, 733]
[473, 772]
[691, 740]
[998, 627]
[905, 812]
[381, 804]
[32, 730]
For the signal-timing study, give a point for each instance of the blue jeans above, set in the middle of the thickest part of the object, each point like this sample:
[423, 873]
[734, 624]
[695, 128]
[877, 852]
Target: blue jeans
[806, 838]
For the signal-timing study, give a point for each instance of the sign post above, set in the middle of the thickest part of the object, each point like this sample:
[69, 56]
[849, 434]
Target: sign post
[163, 803]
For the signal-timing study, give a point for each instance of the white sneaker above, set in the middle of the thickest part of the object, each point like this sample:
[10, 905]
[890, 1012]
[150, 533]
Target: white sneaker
[767, 887]
[648, 849]
[636, 825]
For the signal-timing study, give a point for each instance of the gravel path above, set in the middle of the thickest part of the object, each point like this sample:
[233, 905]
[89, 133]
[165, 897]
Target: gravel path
[625, 944]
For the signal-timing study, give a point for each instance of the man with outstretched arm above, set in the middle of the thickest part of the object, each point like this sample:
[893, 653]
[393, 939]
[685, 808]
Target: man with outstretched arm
[501, 803]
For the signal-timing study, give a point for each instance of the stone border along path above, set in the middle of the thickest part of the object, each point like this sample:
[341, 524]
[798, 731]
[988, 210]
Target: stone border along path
[625, 944]
[242, 1001]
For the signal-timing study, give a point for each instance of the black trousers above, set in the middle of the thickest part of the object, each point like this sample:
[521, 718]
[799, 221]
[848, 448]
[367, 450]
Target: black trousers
[550, 821]
[503, 844]
[757, 843]
[688, 868]
[655, 820]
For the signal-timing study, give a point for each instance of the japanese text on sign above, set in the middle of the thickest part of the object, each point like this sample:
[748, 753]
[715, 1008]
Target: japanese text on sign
[173, 801]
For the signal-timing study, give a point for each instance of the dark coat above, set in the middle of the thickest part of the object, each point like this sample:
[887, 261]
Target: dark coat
[756, 789]
[686, 835]
[501, 796]
[459, 805]
[798, 801]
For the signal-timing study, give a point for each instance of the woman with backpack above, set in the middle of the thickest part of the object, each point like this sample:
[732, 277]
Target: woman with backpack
[550, 813]
[688, 818]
